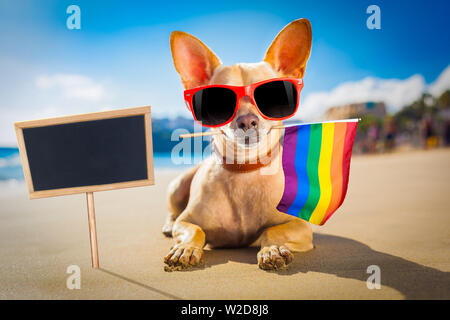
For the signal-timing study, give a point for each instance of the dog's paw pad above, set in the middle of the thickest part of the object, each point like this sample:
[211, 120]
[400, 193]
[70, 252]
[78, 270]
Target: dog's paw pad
[274, 257]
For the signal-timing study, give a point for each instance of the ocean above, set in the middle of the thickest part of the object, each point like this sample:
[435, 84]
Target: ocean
[11, 167]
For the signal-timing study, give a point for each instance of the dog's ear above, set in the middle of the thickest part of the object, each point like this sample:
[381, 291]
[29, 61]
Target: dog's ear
[290, 50]
[193, 60]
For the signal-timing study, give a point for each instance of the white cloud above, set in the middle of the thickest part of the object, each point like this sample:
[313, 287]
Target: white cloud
[72, 86]
[48, 95]
[394, 92]
[441, 84]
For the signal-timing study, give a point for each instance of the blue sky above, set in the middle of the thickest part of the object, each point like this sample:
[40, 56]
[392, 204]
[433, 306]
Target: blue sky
[121, 55]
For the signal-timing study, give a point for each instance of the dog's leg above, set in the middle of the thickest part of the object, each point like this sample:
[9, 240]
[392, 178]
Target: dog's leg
[278, 243]
[188, 249]
[177, 198]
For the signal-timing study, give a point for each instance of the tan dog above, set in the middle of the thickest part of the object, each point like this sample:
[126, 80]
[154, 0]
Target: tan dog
[235, 205]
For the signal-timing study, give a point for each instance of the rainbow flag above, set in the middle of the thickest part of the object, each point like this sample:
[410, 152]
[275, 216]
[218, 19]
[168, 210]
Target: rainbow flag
[316, 164]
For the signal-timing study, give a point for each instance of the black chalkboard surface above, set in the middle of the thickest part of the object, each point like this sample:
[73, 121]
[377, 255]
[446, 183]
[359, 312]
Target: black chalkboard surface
[86, 153]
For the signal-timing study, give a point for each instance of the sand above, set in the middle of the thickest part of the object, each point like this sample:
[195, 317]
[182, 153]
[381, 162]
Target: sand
[396, 216]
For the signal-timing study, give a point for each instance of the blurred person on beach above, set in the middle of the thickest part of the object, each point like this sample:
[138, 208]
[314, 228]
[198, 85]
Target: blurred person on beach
[390, 131]
[372, 136]
[445, 115]
[430, 139]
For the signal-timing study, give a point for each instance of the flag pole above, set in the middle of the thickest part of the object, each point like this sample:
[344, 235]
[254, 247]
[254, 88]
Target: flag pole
[211, 133]
[200, 134]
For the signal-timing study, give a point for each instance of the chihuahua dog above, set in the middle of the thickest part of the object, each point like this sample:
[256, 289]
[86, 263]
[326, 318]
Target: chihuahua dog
[225, 204]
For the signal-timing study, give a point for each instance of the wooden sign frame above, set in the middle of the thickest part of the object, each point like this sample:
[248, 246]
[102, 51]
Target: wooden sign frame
[145, 111]
[89, 190]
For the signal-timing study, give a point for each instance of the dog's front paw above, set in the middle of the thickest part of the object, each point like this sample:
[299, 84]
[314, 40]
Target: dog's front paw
[183, 256]
[274, 257]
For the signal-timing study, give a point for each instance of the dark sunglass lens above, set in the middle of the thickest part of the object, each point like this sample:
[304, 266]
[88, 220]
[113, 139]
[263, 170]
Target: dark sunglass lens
[276, 99]
[214, 106]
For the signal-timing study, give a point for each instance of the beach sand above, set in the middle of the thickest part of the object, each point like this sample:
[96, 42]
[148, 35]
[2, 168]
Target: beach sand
[396, 216]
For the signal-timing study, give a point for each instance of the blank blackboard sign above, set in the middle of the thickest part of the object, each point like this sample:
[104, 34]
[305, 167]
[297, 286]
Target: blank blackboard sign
[87, 153]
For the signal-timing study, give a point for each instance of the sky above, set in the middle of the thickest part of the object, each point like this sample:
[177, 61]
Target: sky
[121, 56]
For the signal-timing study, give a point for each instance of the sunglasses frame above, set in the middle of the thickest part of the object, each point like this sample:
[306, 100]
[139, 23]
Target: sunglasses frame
[242, 91]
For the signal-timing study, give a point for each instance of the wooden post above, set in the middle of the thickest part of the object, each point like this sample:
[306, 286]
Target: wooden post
[92, 229]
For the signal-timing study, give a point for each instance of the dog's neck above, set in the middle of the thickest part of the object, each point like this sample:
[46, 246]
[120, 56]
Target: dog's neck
[236, 158]
[251, 165]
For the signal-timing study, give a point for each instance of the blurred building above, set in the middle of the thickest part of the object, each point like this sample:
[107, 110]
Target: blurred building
[378, 109]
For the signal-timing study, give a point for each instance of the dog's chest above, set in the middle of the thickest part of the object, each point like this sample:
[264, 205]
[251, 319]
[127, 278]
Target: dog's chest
[252, 192]
[251, 200]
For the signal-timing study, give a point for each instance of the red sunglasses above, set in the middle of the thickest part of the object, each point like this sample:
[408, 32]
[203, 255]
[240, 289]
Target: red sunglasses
[216, 105]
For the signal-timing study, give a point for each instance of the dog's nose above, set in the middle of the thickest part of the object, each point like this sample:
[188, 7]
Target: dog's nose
[248, 121]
